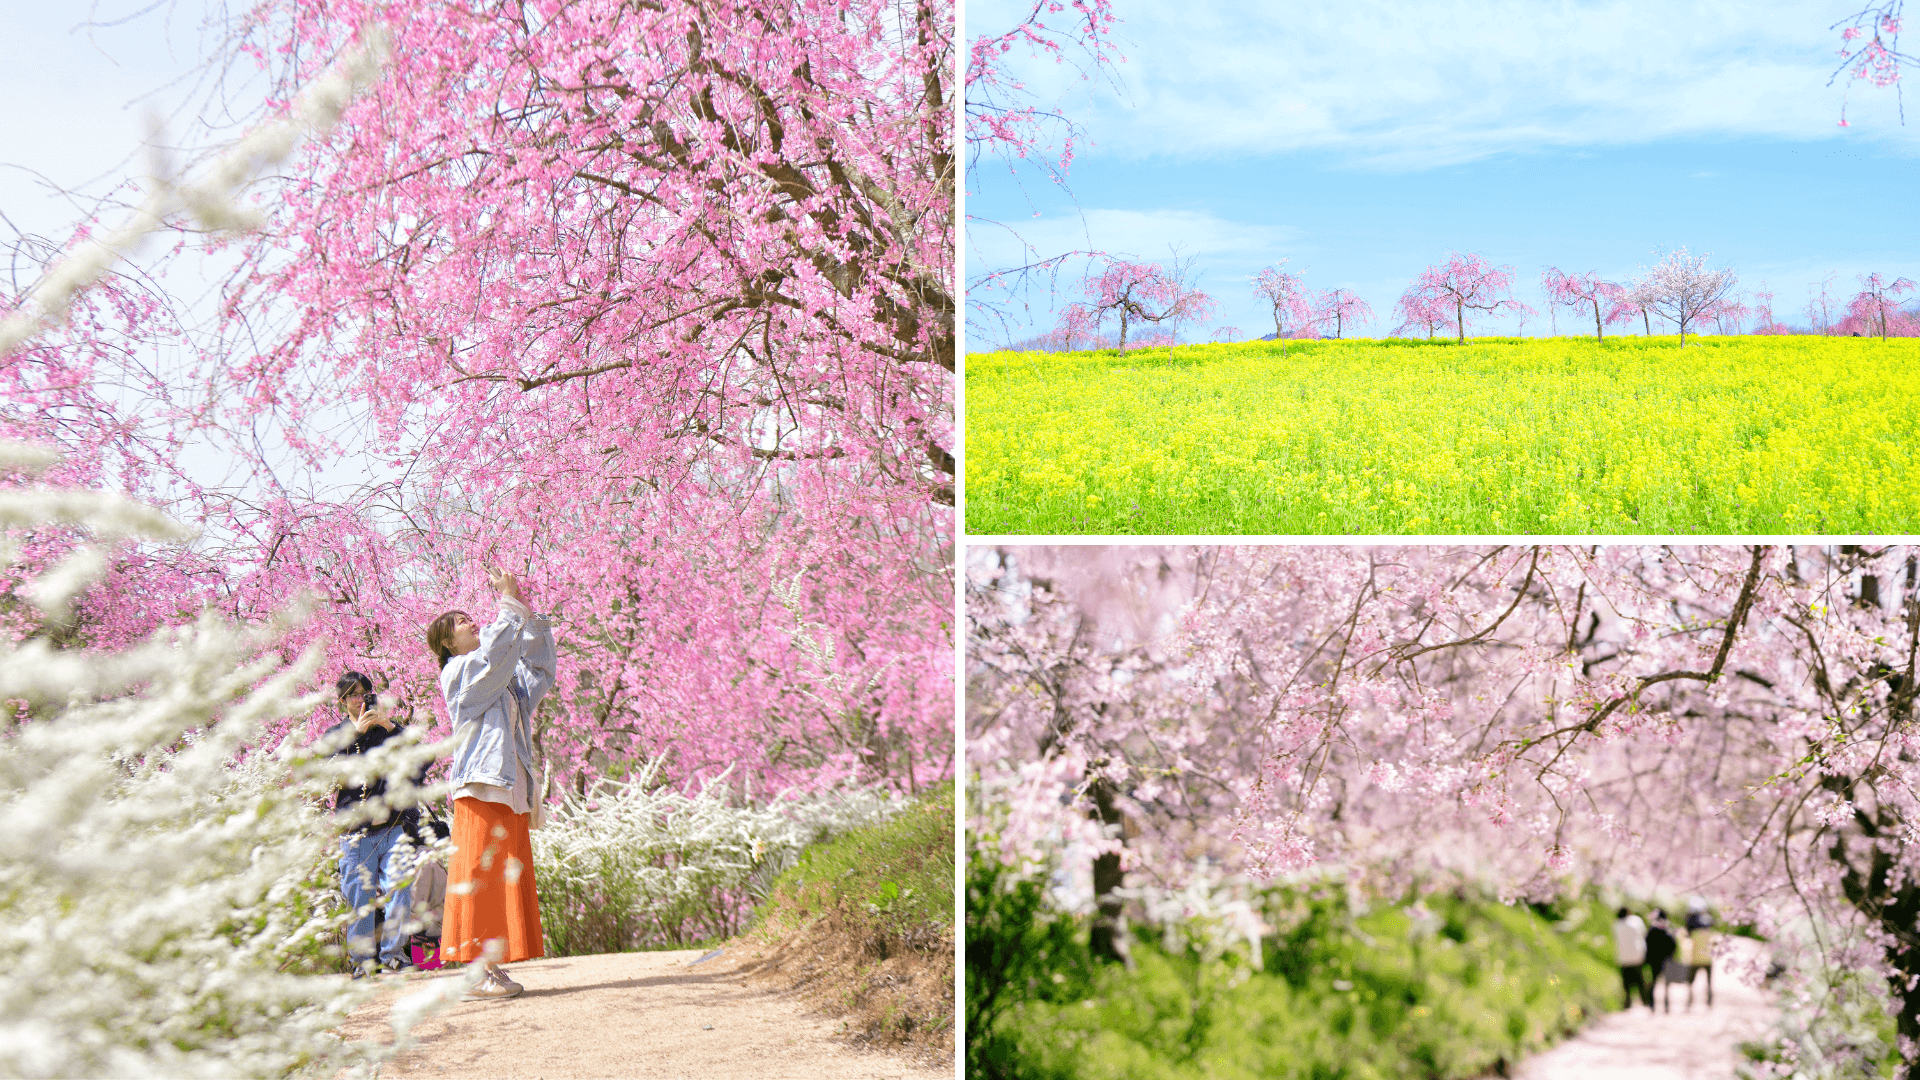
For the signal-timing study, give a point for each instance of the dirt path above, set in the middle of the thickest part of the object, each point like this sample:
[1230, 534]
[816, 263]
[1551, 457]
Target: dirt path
[1700, 1044]
[657, 1014]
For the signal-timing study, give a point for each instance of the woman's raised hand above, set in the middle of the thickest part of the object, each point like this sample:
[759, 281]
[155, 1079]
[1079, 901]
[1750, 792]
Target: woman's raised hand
[504, 583]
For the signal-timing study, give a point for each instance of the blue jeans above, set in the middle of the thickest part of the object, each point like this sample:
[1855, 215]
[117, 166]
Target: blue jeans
[370, 864]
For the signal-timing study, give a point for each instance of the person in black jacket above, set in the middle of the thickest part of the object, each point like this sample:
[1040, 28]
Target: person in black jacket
[1660, 949]
[375, 855]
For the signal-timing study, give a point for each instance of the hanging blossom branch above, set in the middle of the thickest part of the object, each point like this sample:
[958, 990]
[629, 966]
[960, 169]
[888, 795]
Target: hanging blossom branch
[1006, 124]
[1877, 59]
[815, 641]
[211, 201]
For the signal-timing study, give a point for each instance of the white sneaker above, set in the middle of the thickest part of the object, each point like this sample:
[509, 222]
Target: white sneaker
[491, 988]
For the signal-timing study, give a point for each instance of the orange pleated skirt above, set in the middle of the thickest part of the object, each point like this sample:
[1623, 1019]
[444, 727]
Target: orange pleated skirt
[490, 893]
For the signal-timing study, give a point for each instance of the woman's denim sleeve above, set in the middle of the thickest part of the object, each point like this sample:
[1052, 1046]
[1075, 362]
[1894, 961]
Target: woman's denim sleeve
[536, 667]
[485, 678]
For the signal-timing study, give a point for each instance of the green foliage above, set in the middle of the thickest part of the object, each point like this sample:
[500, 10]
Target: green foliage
[1460, 987]
[1017, 951]
[891, 883]
[1544, 436]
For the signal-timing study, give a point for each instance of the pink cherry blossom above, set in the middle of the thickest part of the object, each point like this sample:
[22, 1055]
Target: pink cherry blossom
[1581, 291]
[1131, 293]
[1729, 721]
[1466, 283]
[653, 305]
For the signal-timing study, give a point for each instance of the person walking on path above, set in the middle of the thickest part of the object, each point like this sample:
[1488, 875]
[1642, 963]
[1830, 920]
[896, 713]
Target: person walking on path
[493, 679]
[1661, 947]
[1700, 936]
[375, 854]
[1630, 952]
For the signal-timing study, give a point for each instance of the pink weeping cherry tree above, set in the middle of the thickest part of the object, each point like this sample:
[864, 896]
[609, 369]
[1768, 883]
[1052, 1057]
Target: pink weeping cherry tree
[1133, 293]
[1728, 314]
[1730, 721]
[1287, 296]
[1583, 292]
[1470, 283]
[651, 304]
[1338, 308]
[1764, 321]
[1875, 310]
[1422, 307]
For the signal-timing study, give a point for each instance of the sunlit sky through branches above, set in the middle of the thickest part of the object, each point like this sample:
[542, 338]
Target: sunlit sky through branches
[93, 89]
[88, 86]
[1364, 141]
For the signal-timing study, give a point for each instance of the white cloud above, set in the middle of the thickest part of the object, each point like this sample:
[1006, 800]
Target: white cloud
[1401, 84]
[1141, 234]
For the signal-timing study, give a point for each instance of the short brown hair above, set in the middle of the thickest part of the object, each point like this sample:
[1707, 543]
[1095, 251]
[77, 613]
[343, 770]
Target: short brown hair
[440, 632]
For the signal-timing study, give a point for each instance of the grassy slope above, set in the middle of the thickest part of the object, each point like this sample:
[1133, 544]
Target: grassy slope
[865, 923]
[1494, 984]
[1563, 435]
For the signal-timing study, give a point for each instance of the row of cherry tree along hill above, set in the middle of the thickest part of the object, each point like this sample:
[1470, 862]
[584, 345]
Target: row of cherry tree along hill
[1161, 730]
[652, 305]
[1146, 303]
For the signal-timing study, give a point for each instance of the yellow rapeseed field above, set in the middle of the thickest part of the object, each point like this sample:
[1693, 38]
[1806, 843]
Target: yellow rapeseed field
[1558, 436]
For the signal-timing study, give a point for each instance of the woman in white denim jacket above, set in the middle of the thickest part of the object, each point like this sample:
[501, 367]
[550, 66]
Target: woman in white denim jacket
[493, 678]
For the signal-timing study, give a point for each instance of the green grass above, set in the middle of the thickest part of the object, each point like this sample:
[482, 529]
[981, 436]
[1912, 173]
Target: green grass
[1541, 436]
[866, 922]
[1336, 997]
[891, 882]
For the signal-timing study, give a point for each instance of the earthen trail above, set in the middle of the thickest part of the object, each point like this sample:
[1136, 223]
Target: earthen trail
[1696, 1044]
[657, 1014]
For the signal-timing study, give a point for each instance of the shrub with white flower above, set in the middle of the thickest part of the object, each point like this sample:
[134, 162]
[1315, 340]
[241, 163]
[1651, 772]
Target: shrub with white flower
[165, 892]
[641, 863]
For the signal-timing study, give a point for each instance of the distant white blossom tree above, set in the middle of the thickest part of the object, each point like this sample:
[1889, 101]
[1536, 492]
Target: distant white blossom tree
[1682, 289]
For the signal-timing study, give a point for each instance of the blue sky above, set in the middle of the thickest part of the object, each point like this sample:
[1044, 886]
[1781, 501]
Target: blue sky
[86, 85]
[1364, 141]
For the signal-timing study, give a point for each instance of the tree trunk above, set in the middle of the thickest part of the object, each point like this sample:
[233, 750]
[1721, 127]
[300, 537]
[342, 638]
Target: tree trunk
[1460, 318]
[1598, 333]
[1108, 940]
[1123, 331]
[1646, 322]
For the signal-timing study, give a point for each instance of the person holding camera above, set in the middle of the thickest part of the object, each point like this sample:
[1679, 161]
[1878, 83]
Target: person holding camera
[493, 677]
[375, 854]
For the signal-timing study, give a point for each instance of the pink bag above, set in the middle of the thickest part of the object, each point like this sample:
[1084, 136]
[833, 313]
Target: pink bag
[426, 952]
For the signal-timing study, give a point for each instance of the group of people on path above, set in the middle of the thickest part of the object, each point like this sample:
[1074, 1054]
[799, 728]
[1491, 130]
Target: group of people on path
[1663, 954]
[492, 678]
